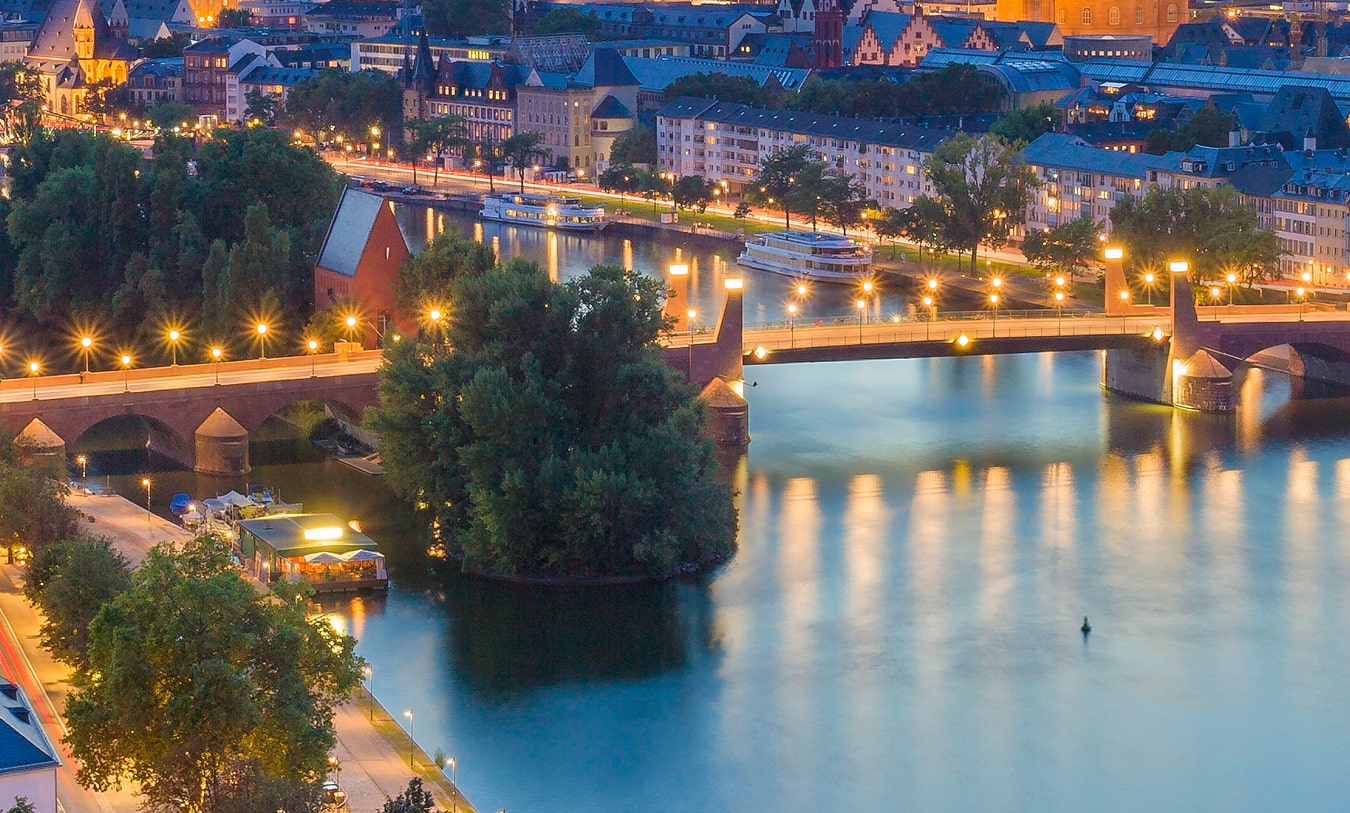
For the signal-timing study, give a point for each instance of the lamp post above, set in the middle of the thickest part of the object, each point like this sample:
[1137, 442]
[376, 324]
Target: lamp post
[1177, 269]
[928, 302]
[262, 341]
[1302, 295]
[1059, 312]
[86, 347]
[33, 369]
[993, 303]
[692, 314]
[1232, 283]
[126, 373]
[408, 713]
[216, 354]
[369, 674]
[350, 321]
[862, 309]
[174, 336]
[313, 347]
[1148, 285]
[84, 466]
[454, 785]
[149, 515]
[436, 315]
[792, 324]
[1216, 295]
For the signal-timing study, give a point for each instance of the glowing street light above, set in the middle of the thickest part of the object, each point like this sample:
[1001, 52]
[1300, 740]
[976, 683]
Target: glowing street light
[792, 323]
[313, 347]
[126, 373]
[368, 672]
[350, 321]
[216, 357]
[34, 368]
[1232, 283]
[454, 784]
[1149, 279]
[1302, 295]
[1059, 312]
[931, 304]
[84, 466]
[86, 347]
[862, 309]
[149, 514]
[993, 303]
[262, 340]
[174, 336]
[408, 713]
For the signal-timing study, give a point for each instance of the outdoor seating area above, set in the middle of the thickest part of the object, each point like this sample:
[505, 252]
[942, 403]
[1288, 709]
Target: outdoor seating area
[319, 548]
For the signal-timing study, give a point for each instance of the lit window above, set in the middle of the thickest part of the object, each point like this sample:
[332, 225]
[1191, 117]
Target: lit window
[1087, 16]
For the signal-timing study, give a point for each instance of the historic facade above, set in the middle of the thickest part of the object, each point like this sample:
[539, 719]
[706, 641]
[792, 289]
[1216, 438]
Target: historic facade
[75, 49]
[1153, 18]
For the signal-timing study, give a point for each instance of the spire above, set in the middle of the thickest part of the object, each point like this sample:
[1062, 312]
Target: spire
[424, 68]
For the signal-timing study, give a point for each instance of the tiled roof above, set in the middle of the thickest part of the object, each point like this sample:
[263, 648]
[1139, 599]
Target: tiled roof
[1070, 152]
[610, 108]
[23, 744]
[347, 236]
[841, 127]
[658, 73]
[55, 39]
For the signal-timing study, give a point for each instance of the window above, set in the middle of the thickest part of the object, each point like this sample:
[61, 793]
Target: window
[1113, 16]
[1172, 13]
[1087, 16]
[1138, 15]
[1062, 15]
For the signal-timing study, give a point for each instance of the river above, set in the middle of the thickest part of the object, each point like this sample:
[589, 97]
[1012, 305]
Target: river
[919, 542]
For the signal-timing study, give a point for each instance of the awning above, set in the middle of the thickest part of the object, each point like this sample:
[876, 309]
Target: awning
[323, 557]
[235, 498]
[364, 556]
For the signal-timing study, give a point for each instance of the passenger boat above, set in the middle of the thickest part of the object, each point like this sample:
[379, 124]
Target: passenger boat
[180, 504]
[550, 211]
[808, 255]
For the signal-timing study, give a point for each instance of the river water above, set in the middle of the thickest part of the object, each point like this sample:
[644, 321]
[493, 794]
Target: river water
[919, 543]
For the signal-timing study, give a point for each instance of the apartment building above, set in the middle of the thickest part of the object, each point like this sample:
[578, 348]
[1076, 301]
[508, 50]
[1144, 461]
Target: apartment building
[722, 141]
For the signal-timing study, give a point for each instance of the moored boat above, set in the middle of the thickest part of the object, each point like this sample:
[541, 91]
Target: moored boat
[180, 504]
[549, 211]
[808, 255]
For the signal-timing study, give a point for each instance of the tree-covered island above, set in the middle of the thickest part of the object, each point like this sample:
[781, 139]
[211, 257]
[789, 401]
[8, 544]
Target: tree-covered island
[552, 441]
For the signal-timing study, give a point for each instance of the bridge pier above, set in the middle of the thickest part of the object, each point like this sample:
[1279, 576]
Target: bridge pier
[221, 445]
[716, 367]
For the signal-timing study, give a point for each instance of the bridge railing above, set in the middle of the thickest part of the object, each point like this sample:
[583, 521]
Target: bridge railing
[783, 335]
[1037, 315]
[302, 363]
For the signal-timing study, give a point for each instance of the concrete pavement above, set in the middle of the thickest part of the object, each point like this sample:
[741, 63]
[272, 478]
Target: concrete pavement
[372, 749]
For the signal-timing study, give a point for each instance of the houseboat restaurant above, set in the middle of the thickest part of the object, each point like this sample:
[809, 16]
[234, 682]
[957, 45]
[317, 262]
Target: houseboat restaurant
[319, 548]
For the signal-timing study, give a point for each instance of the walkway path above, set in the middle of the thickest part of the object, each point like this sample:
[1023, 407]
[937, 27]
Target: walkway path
[372, 749]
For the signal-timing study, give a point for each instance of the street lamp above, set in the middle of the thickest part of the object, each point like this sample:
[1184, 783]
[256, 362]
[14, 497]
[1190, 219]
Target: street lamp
[86, 347]
[148, 513]
[454, 784]
[993, 303]
[692, 314]
[1232, 282]
[1059, 314]
[174, 336]
[313, 347]
[862, 309]
[33, 369]
[1302, 295]
[126, 373]
[369, 673]
[350, 321]
[216, 354]
[931, 304]
[84, 466]
[1149, 279]
[262, 341]
[408, 713]
[792, 323]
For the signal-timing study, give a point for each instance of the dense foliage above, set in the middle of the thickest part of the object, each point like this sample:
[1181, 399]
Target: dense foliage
[1071, 246]
[70, 582]
[466, 18]
[201, 690]
[637, 146]
[33, 509]
[723, 87]
[1025, 124]
[101, 242]
[1211, 228]
[344, 103]
[1208, 126]
[568, 20]
[554, 441]
[982, 190]
[794, 182]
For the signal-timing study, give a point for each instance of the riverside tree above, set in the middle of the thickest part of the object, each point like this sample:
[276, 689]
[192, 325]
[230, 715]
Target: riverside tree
[982, 189]
[71, 581]
[554, 441]
[198, 689]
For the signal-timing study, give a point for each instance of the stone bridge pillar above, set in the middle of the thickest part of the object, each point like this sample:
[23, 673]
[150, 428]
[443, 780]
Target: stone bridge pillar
[43, 449]
[222, 445]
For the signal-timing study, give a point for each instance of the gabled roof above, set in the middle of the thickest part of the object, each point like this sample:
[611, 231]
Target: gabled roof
[605, 67]
[888, 26]
[23, 744]
[610, 108]
[55, 39]
[350, 231]
[1070, 152]
[1300, 110]
[658, 72]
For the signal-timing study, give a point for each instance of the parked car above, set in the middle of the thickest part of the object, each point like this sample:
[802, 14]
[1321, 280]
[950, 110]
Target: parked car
[334, 798]
[379, 186]
[413, 190]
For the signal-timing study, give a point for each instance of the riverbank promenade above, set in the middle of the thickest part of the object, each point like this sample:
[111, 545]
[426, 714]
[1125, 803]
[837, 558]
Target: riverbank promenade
[372, 749]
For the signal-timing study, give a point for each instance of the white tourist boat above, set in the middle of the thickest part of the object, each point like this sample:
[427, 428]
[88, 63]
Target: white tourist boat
[809, 255]
[549, 211]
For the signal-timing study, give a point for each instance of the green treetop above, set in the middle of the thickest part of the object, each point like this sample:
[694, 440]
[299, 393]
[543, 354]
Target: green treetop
[554, 441]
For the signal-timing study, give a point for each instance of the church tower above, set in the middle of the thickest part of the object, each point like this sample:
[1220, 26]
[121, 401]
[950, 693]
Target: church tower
[83, 28]
[419, 82]
[828, 41]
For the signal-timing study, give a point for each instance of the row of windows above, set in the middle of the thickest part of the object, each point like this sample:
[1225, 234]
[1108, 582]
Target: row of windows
[1113, 15]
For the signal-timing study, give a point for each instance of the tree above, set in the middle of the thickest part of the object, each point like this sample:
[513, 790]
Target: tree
[166, 47]
[625, 179]
[464, 18]
[33, 509]
[167, 115]
[523, 149]
[232, 18]
[22, 805]
[261, 107]
[789, 181]
[435, 137]
[567, 20]
[843, 199]
[637, 146]
[693, 192]
[22, 89]
[1208, 126]
[341, 103]
[554, 441]
[425, 280]
[196, 683]
[71, 581]
[1025, 124]
[483, 154]
[414, 799]
[1209, 227]
[890, 225]
[1071, 246]
[720, 86]
[875, 98]
[982, 188]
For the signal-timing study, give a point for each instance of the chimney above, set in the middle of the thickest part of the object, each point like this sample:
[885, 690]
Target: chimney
[1235, 137]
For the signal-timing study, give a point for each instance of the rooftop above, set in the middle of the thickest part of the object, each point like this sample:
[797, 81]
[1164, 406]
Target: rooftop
[300, 534]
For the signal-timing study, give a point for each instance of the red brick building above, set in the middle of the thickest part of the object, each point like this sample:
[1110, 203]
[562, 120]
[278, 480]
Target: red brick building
[359, 264]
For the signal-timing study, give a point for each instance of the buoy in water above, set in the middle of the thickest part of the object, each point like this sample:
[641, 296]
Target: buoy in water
[1086, 628]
